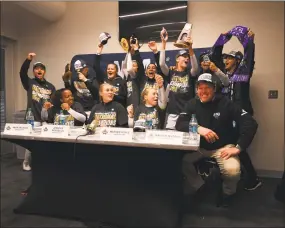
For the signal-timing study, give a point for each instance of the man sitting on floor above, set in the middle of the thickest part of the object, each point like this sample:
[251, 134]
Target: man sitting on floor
[215, 114]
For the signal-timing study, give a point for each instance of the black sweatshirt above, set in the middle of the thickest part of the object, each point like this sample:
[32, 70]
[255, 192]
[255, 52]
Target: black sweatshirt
[181, 90]
[53, 115]
[142, 111]
[111, 114]
[133, 93]
[85, 93]
[37, 91]
[119, 84]
[218, 115]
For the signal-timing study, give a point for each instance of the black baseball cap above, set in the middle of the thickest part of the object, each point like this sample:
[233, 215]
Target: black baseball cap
[236, 54]
[39, 64]
[182, 53]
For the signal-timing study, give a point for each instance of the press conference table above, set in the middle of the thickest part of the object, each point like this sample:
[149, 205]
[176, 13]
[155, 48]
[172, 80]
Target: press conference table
[126, 184]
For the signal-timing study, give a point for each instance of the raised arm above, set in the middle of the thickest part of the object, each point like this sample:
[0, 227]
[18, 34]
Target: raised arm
[24, 71]
[164, 37]
[100, 75]
[162, 100]
[193, 60]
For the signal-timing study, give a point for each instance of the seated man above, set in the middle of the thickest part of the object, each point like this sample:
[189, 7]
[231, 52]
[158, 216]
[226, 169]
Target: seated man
[215, 114]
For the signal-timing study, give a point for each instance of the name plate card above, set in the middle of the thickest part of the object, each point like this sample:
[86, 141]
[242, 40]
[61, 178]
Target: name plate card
[17, 129]
[116, 134]
[55, 131]
[164, 137]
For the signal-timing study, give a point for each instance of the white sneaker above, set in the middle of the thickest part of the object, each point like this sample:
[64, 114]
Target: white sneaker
[26, 166]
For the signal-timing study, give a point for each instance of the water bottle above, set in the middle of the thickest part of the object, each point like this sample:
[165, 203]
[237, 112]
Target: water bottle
[30, 117]
[61, 118]
[193, 129]
[148, 122]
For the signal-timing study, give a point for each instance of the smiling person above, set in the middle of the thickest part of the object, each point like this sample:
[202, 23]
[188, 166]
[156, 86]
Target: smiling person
[215, 114]
[38, 90]
[83, 86]
[181, 80]
[111, 77]
[108, 112]
[154, 102]
[63, 100]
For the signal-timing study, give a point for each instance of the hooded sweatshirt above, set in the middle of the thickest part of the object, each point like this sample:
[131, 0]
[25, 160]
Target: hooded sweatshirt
[38, 91]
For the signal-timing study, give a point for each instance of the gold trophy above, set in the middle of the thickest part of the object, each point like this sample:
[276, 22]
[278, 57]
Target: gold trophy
[181, 41]
[125, 44]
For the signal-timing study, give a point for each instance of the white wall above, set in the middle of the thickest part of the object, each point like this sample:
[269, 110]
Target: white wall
[77, 33]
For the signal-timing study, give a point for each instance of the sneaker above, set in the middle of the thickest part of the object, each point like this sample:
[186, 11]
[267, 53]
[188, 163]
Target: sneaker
[252, 185]
[26, 166]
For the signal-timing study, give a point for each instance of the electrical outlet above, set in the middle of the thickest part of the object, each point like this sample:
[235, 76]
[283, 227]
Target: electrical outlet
[272, 94]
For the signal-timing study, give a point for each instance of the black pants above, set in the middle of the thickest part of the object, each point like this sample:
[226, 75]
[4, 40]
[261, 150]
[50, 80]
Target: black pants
[248, 166]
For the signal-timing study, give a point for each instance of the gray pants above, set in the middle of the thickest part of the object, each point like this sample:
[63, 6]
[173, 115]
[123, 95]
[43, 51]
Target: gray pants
[230, 171]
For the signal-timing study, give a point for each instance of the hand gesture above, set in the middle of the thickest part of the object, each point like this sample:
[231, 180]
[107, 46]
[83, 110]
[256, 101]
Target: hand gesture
[130, 110]
[67, 76]
[208, 134]
[65, 106]
[163, 35]
[82, 77]
[152, 46]
[159, 80]
[189, 40]
[134, 46]
[228, 152]
[100, 48]
[250, 33]
[31, 56]
[213, 67]
[47, 105]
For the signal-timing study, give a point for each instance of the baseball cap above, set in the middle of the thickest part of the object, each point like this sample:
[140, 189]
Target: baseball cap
[236, 54]
[79, 64]
[182, 53]
[39, 64]
[206, 77]
[204, 57]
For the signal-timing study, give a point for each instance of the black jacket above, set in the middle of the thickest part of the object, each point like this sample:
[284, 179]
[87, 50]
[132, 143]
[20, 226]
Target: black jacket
[37, 91]
[218, 115]
[119, 84]
[111, 114]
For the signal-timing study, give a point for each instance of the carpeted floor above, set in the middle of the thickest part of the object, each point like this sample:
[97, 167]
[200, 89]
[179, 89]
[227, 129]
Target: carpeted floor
[250, 209]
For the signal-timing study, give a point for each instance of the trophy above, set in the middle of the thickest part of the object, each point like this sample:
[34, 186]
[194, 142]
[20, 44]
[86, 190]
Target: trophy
[181, 41]
[125, 44]
[104, 37]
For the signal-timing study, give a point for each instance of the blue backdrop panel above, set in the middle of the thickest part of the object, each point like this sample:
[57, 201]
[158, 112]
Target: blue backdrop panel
[119, 57]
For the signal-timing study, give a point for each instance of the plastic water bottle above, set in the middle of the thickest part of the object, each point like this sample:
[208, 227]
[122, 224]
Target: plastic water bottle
[193, 129]
[61, 118]
[148, 122]
[30, 117]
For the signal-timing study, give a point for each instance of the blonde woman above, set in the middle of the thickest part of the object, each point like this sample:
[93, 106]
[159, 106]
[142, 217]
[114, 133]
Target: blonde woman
[148, 114]
[108, 112]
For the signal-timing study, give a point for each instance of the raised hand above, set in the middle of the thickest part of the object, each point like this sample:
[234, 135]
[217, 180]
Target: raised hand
[82, 77]
[65, 106]
[31, 56]
[152, 46]
[213, 67]
[159, 80]
[163, 35]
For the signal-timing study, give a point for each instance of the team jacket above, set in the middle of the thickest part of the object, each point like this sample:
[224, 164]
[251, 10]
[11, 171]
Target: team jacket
[119, 84]
[37, 91]
[218, 115]
[111, 114]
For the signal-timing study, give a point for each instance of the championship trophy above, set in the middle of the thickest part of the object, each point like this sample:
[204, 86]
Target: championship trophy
[104, 37]
[126, 44]
[181, 41]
